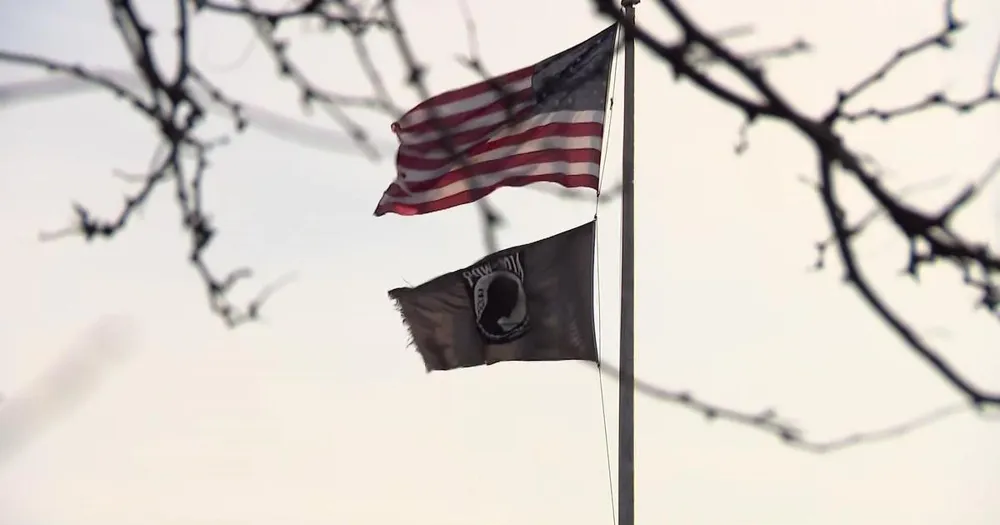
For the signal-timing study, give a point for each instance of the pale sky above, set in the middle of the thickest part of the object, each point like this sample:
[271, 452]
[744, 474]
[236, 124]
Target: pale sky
[321, 414]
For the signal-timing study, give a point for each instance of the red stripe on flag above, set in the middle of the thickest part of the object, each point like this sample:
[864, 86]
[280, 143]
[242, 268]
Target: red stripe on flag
[462, 140]
[466, 197]
[409, 161]
[488, 167]
[467, 92]
[502, 105]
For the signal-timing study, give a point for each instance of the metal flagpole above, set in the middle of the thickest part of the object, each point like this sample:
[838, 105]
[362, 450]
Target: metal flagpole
[626, 381]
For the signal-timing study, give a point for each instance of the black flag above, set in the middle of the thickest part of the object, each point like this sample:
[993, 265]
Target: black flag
[533, 302]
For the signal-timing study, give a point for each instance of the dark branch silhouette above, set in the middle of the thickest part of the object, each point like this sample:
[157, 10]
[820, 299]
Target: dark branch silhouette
[770, 422]
[178, 98]
[931, 233]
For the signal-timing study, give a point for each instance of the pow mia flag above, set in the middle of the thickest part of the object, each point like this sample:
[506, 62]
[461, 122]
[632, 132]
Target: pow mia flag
[533, 302]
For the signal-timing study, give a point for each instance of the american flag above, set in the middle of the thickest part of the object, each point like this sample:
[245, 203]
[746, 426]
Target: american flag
[542, 123]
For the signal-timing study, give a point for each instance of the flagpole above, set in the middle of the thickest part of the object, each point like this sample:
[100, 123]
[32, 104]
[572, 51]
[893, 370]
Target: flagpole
[626, 382]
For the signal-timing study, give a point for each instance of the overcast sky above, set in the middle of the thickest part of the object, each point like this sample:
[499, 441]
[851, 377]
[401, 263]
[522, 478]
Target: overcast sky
[321, 414]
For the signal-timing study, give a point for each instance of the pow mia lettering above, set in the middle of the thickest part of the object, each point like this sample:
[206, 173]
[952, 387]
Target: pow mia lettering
[496, 289]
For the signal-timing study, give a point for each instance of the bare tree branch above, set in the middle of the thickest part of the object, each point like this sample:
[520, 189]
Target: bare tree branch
[768, 421]
[931, 229]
